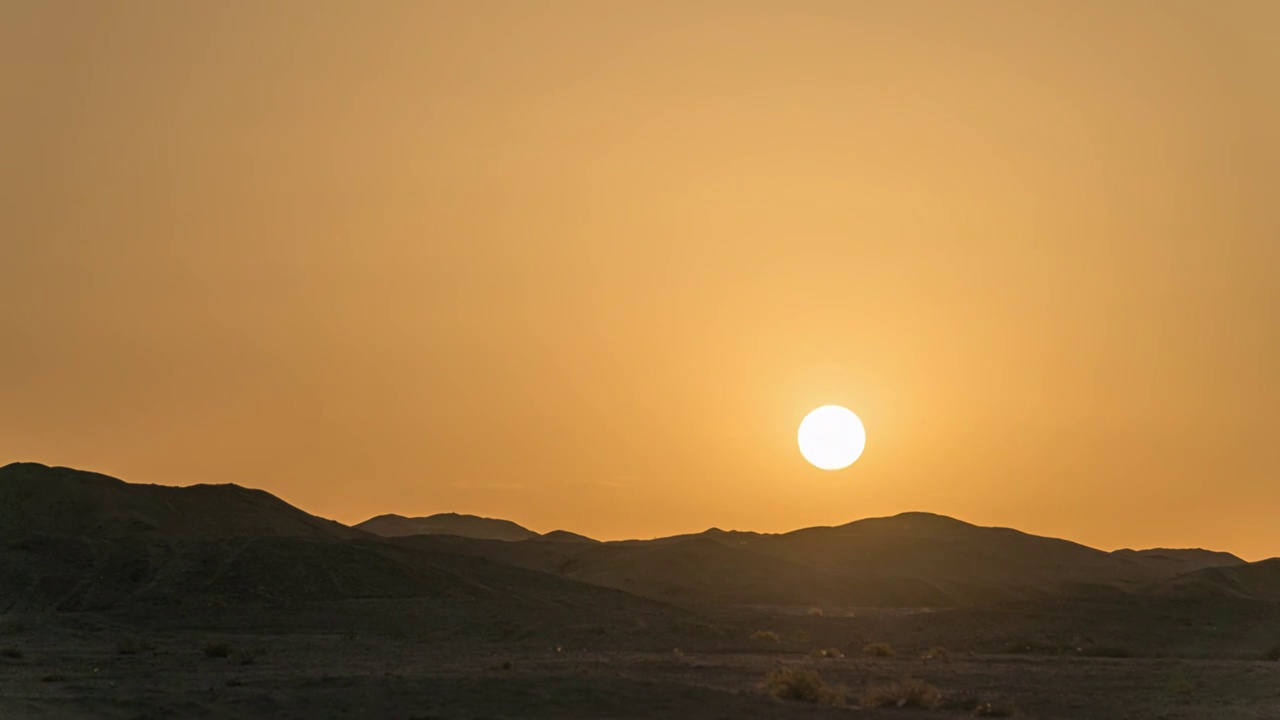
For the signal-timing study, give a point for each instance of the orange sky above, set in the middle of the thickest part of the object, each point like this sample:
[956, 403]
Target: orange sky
[586, 265]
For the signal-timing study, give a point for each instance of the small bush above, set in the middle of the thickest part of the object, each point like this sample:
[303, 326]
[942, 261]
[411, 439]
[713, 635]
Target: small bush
[827, 653]
[247, 656]
[765, 636]
[1273, 654]
[877, 650]
[815, 612]
[908, 693]
[800, 636]
[129, 647]
[53, 678]
[802, 685]
[936, 653]
[504, 665]
[11, 653]
[995, 709]
[217, 650]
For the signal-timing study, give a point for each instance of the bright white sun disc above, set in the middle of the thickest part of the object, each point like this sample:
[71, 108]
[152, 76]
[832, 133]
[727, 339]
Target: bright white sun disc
[831, 437]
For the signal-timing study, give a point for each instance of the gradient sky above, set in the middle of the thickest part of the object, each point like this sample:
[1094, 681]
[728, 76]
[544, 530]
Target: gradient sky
[586, 265]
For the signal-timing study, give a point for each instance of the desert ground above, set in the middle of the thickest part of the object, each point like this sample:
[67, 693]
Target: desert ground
[260, 664]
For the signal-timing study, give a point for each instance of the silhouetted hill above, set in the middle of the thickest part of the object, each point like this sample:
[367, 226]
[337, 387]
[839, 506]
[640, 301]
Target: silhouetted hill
[1254, 581]
[76, 541]
[73, 539]
[913, 559]
[470, 526]
[39, 500]
[120, 573]
[971, 562]
[563, 536]
[1179, 561]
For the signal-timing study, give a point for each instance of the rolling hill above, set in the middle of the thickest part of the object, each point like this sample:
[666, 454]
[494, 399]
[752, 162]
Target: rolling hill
[74, 540]
[1254, 581]
[79, 541]
[1180, 561]
[470, 526]
[39, 500]
[908, 560]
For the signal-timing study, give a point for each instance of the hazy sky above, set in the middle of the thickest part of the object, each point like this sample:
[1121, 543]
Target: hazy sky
[586, 265]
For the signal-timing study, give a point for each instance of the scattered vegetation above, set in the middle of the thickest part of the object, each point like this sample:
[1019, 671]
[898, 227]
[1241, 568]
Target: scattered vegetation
[803, 685]
[936, 653]
[247, 656]
[53, 678]
[217, 650]
[11, 653]
[765, 636]
[877, 650]
[1273, 654]
[827, 653]
[801, 636]
[815, 612]
[504, 665]
[907, 693]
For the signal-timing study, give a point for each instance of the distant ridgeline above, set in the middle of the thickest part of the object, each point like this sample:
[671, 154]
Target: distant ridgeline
[76, 540]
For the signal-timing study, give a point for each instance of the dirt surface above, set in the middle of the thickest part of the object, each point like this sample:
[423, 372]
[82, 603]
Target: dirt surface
[85, 666]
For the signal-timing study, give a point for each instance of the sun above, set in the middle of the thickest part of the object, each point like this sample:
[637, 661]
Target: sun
[831, 437]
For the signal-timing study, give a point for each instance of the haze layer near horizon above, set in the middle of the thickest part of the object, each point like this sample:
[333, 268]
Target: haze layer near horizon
[587, 265]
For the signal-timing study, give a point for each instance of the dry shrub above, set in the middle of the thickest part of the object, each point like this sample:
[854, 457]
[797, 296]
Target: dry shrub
[936, 653]
[217, 650]
[801, 636]
[877, 650]
[907, 693]
[765, 636]
[247, 656]
[827, 653]
[815, 612]
[1273, 654]
[803, 685]
[11, 653]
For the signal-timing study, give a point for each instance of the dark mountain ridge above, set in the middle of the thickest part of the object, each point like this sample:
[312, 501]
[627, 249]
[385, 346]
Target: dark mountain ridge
[472, 526]
[76, 539]
[37, 499]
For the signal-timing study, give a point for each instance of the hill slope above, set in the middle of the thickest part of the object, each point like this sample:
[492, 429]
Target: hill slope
[40, 500]
[1254, 581]
[77, 541]
[470, 526]
[913, 559]
[1175, 562]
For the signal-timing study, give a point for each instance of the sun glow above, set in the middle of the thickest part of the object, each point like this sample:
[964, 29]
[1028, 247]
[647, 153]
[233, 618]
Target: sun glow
[832, 437]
